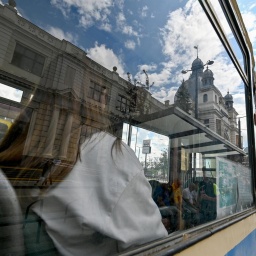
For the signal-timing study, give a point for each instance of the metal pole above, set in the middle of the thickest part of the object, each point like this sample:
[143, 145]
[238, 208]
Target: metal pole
[129, 135]
[196, 97]
[239, 134]
[145, 161]
[194, 171]
[136, 140]
[196, 117]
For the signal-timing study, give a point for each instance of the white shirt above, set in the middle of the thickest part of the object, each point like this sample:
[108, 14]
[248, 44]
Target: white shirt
[186, 194]
[104, 205]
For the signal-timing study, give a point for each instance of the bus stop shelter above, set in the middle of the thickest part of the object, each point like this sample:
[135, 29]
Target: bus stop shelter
[187, 133]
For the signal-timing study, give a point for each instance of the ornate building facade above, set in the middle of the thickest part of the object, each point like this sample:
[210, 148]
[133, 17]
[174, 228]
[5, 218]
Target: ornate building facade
[63, 88]
[214, 110]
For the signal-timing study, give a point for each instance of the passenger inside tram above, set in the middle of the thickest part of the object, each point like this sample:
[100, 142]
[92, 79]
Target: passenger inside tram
[208, 195]
[100, 201]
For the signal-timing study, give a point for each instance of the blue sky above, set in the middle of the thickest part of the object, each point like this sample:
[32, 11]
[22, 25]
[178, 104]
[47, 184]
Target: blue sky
[158, 36]
[141, 34]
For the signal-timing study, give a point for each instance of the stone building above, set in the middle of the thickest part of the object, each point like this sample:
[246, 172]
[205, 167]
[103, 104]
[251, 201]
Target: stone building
[214, 110]
[63, 88]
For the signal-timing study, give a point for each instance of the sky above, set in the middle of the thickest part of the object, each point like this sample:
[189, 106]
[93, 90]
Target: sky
[157, 36]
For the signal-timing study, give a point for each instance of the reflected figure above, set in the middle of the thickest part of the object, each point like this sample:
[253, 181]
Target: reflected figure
[100, 201]
[164, 198]
[192, 212]
[208, 198]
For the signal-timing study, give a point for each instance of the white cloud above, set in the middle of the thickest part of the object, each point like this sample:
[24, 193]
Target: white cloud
[120, 4]
[130, 44]
[165, 94]
[184, 29]
[144, 11]
[89, 11]
[123, 27]
[106, 57]
[10, 93]
[106, 26]
[60, 34]
[250, 23]
[148, 67]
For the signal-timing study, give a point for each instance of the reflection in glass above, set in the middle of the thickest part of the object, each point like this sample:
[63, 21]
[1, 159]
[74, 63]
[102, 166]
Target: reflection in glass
[99, 159]
[232, 40]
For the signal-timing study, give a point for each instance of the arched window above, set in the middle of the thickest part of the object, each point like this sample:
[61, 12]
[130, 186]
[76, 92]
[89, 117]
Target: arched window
[205, 98]
[216, 101]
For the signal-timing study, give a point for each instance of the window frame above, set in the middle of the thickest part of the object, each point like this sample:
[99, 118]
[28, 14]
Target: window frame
[19, 59]
[99, 90]
[170, 246]
[123, 101]
[205, 97]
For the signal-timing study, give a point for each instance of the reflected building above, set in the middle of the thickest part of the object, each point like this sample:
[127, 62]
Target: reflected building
[61, 85]
[214, 111]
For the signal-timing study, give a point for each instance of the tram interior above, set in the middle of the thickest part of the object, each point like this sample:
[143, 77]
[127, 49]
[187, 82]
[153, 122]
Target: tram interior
[190, 153]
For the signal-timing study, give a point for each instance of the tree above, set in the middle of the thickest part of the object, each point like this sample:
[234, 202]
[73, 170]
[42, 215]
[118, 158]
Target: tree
[183, 100]
[159, 166]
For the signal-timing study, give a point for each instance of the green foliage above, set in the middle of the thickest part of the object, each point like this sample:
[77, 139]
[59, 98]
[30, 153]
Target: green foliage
[183, 100]
[158, 167]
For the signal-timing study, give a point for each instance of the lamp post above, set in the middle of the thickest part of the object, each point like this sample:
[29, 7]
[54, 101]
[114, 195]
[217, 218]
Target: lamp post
[147, 86]
[196, 68]
[239, 132]
[133, 92]
[209, 62]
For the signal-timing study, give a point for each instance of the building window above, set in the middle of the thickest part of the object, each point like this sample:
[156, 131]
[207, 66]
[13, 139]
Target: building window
[28, 60]
[98, 93]
[123, 104]
[216, 101]
[205, 99]
[206, 122]
[218, 126]
[226, 134]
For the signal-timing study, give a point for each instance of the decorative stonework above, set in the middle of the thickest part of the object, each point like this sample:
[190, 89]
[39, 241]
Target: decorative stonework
[41, 34]
[36, 31]
[50, 39]
[12, 3]
[21, 22]
[32, 29]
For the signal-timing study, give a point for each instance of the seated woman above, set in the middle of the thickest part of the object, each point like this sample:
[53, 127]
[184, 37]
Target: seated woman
[102, 204]
[163, 196]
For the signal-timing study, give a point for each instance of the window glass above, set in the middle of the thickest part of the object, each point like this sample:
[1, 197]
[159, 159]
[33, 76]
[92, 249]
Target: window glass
[136, 122]
[232, 40]
[205, 97]
[10, 93]
[28, 60]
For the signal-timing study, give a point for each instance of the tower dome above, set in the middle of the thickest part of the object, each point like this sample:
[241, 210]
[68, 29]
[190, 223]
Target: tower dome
[228, 97]
[197, 68]
[207, 79]
[208, 73]
[197, 64]
[228, 100]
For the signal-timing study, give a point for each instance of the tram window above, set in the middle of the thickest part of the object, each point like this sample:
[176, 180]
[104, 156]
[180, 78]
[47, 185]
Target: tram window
[228, 31]
[159, 159]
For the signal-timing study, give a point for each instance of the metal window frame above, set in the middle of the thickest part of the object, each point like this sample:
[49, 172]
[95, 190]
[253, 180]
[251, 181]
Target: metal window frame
[34, 60]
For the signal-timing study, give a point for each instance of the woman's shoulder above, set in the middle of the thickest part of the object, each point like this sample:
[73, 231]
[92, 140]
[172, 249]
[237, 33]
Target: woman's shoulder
[110, 147]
